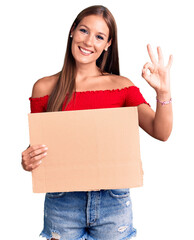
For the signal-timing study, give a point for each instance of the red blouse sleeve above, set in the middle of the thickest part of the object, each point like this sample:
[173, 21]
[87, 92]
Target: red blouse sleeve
[134, 97]
[38, 105]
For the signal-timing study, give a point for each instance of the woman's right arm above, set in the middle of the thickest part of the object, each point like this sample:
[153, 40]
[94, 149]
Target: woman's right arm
[33, 155]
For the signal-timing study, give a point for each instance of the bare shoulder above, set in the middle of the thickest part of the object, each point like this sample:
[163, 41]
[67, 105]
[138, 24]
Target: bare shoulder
[44, 86]
[120, 81]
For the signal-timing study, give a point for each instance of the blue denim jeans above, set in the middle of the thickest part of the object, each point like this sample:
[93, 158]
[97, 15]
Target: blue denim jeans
[92, 215]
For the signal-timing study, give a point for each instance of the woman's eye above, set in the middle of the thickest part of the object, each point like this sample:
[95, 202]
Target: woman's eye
[100, 37]
[83, 30]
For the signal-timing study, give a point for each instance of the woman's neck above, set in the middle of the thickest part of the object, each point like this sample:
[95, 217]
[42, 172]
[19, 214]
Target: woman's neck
[83, 71]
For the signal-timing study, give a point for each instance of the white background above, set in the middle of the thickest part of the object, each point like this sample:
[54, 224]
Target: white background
[33, 42]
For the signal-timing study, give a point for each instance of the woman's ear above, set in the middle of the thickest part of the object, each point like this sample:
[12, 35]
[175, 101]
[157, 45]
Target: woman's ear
[72, 30]
[108, 44]
[71, 33]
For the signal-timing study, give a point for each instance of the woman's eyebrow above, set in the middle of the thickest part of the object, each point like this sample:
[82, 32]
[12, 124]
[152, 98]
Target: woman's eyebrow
[89, 29]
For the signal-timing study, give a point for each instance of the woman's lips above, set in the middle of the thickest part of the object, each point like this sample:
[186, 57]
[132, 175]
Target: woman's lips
[84, 51]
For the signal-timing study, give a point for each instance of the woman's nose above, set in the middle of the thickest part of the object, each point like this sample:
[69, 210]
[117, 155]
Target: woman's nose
[88, 40]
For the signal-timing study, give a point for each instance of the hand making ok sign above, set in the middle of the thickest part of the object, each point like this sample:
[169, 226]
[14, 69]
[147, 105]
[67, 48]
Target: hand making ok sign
[159, 77]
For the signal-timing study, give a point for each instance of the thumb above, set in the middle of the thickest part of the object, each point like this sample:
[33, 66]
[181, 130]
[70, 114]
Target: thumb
[145, 74]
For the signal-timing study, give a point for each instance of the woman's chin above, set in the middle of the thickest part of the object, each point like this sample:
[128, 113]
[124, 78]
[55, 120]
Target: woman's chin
[84, 61]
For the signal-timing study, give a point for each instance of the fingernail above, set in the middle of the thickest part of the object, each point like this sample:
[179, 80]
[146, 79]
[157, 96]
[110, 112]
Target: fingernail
[43, 145]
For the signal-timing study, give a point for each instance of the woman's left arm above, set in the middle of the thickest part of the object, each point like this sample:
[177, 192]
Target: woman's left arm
[157, 124]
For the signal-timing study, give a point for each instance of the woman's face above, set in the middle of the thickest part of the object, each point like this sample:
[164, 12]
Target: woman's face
[90, 39]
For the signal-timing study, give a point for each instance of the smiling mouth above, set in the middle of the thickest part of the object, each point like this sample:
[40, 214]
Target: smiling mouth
[84, 51]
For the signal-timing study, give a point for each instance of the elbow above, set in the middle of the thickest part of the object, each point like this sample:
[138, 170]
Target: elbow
[162, 133]
[163, 137]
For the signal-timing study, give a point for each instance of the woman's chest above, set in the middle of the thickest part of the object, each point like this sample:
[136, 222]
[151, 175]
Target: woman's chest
[96, 99]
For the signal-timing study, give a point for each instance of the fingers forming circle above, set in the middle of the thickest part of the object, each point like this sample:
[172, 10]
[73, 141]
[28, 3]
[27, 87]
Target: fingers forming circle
[145, 74]
[148, 66]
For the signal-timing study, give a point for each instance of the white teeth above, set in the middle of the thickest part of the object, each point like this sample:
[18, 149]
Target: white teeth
[85, 51]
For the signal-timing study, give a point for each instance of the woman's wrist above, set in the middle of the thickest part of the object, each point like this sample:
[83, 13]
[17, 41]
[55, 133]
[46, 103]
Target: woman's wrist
[163, 96]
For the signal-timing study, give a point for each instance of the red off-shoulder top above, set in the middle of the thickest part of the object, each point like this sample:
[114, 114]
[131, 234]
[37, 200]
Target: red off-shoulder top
[124, 97]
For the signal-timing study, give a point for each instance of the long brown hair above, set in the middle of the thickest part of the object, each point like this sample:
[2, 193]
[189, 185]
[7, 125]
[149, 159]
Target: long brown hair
[107, 62]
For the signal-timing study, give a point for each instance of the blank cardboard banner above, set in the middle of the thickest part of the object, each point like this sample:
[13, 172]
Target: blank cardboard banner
[88, 150]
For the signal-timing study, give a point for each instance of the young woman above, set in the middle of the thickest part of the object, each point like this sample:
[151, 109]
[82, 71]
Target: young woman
[90, 79]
